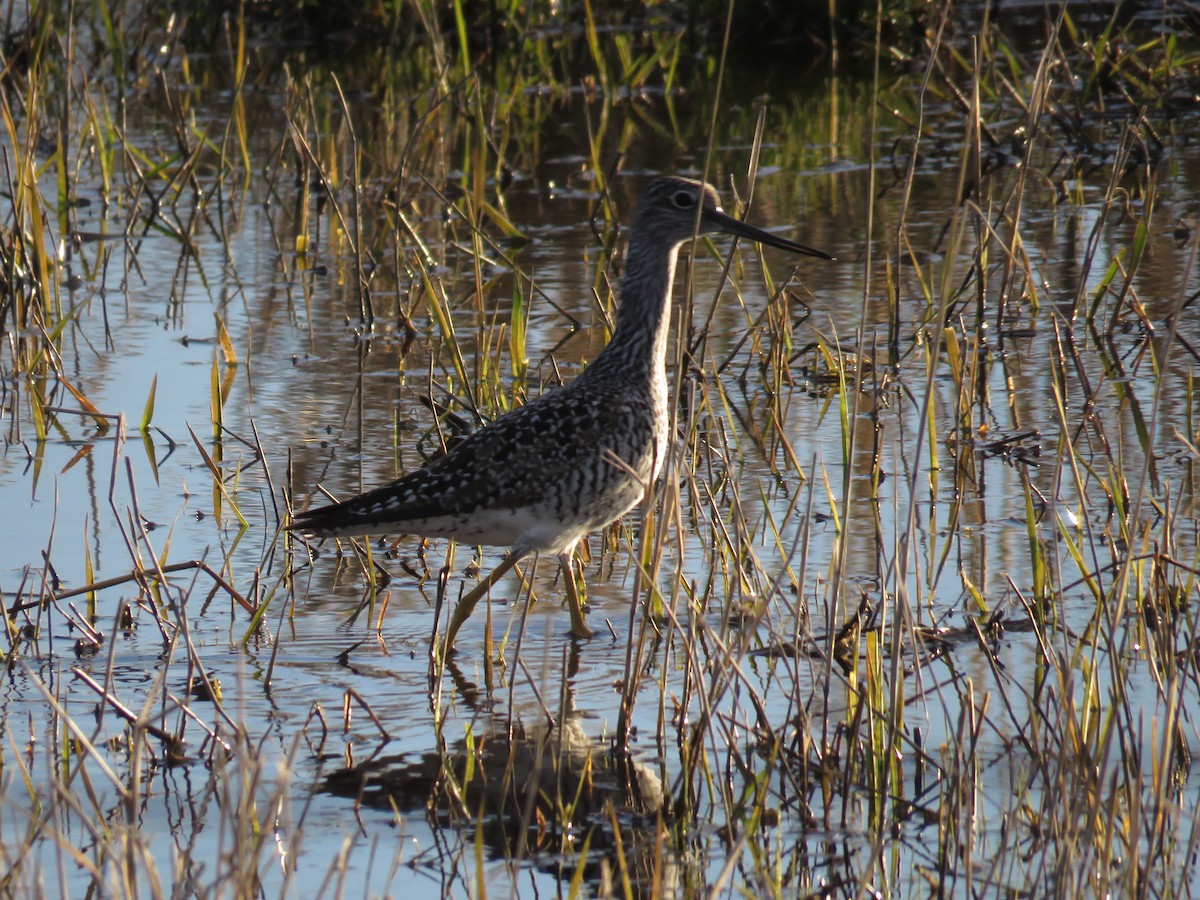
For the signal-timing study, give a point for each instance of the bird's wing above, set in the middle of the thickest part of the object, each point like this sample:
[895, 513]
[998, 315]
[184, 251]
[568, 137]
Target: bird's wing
[513, 461]
[508, 464]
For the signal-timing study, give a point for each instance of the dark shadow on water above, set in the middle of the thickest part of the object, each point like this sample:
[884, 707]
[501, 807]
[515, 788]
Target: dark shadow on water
[548, 796]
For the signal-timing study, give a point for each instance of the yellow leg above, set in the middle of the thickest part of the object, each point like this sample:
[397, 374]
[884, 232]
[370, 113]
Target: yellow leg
[579, 627]
[467, 604]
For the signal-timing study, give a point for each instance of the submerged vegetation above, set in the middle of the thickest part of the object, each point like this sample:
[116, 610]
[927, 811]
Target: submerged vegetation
[914, 607]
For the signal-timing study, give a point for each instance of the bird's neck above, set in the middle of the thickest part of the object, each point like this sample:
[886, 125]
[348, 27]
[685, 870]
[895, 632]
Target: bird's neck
[639, 345]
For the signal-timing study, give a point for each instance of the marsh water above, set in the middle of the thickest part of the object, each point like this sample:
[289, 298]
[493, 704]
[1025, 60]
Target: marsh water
[204, 300]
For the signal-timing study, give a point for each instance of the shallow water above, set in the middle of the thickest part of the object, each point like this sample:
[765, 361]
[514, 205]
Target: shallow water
[338, 403]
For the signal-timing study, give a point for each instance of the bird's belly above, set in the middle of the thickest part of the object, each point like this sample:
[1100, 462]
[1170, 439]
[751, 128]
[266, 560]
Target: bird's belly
[549, 527]
[554, 523]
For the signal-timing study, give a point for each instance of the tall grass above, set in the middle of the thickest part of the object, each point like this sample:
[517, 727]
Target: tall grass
[936, 639]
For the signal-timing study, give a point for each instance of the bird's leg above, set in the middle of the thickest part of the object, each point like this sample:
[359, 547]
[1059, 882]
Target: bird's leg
[579, 626]
[467, 604]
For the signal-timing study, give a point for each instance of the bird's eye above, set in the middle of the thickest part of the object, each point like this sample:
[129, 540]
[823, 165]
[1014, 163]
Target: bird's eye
[684, 199]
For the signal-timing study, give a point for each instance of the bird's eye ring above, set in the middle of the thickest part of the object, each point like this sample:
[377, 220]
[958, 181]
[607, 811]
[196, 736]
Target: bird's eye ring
[683, 199]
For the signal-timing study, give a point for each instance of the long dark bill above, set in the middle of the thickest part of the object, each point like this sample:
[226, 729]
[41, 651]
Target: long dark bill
[730, 225]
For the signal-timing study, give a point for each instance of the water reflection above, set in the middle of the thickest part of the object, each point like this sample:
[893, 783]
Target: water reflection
[547, 794]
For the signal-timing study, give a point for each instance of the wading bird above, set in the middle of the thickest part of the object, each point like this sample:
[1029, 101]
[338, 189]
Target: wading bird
[571, 461]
